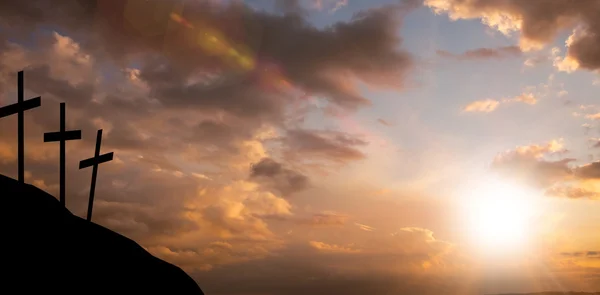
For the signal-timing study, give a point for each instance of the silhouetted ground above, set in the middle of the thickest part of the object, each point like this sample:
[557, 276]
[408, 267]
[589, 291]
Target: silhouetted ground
[554, 293]
[45, 248]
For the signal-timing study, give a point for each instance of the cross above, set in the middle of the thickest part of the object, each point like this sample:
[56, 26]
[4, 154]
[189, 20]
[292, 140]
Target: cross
[19, 108]
[94, 162]
[62, 136]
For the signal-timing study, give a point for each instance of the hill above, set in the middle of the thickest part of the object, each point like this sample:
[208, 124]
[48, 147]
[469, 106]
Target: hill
[554, 293]
[47, 248]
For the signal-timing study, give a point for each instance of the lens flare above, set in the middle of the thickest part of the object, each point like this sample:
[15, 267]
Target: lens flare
[215, 43]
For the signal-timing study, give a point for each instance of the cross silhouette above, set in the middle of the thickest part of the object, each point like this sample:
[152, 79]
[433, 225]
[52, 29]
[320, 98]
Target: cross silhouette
[94, 162]
[62, 136]
[19, 108]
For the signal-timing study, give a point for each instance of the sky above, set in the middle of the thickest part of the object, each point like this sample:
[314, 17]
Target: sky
[325, 146]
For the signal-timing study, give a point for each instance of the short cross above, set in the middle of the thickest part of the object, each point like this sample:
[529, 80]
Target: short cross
[19, 108]
[62, 136]
[94, 162]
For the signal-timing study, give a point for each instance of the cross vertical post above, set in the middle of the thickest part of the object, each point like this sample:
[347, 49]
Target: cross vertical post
[19, 108]
[94, 162]
[21, 130]
[62, 136]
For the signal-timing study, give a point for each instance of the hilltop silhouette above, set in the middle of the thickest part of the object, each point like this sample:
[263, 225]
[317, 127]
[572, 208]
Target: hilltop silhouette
[46, 248]
[554, 293]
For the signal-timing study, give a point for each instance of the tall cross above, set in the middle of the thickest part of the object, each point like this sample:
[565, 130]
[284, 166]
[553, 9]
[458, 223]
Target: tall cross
[94, 162]
[62, 136]
[19, 108]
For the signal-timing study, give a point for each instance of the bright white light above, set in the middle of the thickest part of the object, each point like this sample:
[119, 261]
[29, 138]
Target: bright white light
[500, 216]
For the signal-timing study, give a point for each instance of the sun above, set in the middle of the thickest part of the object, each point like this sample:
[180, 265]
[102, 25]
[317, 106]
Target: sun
[500, 216]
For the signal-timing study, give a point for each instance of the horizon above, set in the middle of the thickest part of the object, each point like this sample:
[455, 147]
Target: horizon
[270, 147]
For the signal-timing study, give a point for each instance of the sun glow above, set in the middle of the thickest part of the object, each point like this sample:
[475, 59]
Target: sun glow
[500, 216]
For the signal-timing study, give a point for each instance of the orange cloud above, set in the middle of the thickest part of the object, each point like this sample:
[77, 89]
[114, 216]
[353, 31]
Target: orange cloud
[593, 116]
[364, 227]
[332, 248]
[485, 106]
[490, 105]
[538, 23]
[527, 98]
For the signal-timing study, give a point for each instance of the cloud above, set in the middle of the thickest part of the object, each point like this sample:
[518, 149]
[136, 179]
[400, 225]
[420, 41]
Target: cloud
[581, 254]
[538, 22]
[326, 78]
[186, 88]
[237, 216]
[485, 106]
[589, 112]
[572, 192]
[286, 181]
[528, 164]
[328, 146]
[536, 60]
[483, 53]
[339, 4]
[527, 98]
[412, 254]
[8, 153]
[289, 6]
[306, 6]
[326, 218]
[384, 122]
[364, 227]
[565, 64]
[490, 105]
[155, 201]
[332, 248]
[532, 165]
[595, 116]
[184, 77]
[590, 170]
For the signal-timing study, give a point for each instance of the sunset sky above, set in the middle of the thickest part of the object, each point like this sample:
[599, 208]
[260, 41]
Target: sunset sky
[325, 146]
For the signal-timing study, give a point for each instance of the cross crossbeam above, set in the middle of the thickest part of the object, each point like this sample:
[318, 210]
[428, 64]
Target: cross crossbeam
[19, 108]
[94, 162]
[62, 136]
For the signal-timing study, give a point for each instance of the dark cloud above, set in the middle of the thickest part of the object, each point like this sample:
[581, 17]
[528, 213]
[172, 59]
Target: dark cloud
[286, 181]
[41, 81]
[325, 219]
[384, 122]
[589, 171]
[365, 48]
[539, 22]
[527, 164]
[289, 6]
[221, 134]
[483, 53]
[325, 145]
[177, 73]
